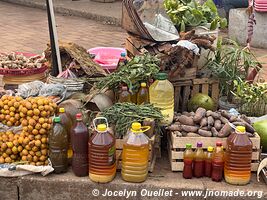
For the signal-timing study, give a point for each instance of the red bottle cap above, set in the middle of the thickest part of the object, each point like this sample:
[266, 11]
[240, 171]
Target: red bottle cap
[79, 116]
[218, 144]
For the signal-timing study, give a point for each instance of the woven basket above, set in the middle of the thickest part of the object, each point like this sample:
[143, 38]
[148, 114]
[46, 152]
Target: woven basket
[23, 72]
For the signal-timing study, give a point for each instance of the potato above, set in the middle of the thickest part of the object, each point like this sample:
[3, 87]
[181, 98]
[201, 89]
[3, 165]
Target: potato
[187, 128]
[204, 133]
[218, 124]
[210, 121]
[186, 120]
[225, 131]
[203, 122]
[200, 113]
[214, 132]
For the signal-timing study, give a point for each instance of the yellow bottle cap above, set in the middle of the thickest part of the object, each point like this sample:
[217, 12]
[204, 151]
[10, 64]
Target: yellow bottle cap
[143, 84]
[241, 129]
[61, 110]
[210, 149]
[136, 126]
[101, 127]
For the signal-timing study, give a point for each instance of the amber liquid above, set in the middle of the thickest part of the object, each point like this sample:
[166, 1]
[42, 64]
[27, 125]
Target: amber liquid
[102, 157]
[67, 123]
[217, 164]
[199, 163]
[142, 96]
[135, 162]
[124, 96]
[58, 147]
[188, 164]
[208, 164]
[80, 137]
[237, 167]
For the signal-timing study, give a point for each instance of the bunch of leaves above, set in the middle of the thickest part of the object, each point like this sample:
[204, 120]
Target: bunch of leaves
[140, 68]
[252, 97]
[122, 115]
[231, 62]
[191, 13]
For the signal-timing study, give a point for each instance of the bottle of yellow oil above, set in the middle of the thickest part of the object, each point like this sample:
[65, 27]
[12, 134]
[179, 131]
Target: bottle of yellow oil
[161, 95]
[135, 154]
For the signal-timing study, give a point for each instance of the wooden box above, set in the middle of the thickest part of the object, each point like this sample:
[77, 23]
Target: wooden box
[152, 152]
[176, 147]
[184, 90]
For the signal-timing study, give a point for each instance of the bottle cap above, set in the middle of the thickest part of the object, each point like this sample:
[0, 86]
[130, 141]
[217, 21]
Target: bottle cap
[136, 126]
[124, 88]
[123, 54]
[79, 116]
[61, 110]
[210, 149]
[218, 144]
[57, 119]
[241, 129]
[162, 76]
[199, 144]
[188, 146]
[101, 127]
[143, 84]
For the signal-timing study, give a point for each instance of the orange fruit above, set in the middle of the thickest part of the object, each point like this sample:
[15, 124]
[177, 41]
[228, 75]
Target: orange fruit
[32, 122]
[44, 140]
[9, 123]
[24, 122]
[12, 109]
[30, 113]
[24, 152]
[16, 105]
[35, 159]
[24, 110]
[28, 105]
[42, 131]
[44, 125]
[24, 158]
[38, 126]
[31, 137]
[30, 127]
[29, 157]
[41, 120]
[44, 114]
[35, 132]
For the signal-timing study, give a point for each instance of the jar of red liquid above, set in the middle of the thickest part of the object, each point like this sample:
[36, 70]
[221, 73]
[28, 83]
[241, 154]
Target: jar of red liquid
[188, 162]
[217, 163]
[208, 160]
[199, 161]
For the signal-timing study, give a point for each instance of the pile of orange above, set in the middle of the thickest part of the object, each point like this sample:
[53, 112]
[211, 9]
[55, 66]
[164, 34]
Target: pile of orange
[29, 141]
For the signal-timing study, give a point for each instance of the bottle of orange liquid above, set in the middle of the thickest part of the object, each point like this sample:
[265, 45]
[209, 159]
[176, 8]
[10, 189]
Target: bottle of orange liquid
[135, 155]
[142, 95]
[125, 95]
[188, 162]
[199, 161]
[237, 167]
[217, 163]
[102, 154]
[208, 158]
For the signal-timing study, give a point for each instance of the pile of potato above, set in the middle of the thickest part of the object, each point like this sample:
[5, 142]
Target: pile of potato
[29, 142]
[208, 123]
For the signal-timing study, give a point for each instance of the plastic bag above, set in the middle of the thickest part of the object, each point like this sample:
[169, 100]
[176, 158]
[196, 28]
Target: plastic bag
[30, 89]
[58, 90]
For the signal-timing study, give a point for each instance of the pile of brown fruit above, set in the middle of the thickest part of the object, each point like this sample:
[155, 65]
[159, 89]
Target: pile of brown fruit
[31, 143]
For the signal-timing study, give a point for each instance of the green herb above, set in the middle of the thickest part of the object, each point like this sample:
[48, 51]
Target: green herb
[122, 115]
[140, 68]
[191, 13]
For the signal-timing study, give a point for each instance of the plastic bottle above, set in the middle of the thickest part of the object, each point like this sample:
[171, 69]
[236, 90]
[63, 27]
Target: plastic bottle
[217, 163]
[238, 154]
[125, 95]
[208, 159]
[199, 161]
[80, 137]
[161, 95]
[142, 95]
[102, 154]
[135, 155]
[58, 147]
[188, 162]
[67, 123]
[122, 60]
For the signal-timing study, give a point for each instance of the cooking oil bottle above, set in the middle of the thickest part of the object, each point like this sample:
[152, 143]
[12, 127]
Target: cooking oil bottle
[217, 163]
[161, 95]
[125, 95]
[135, 154]
[142, 95]
[237, 167]
[188, 162]
[102, 154]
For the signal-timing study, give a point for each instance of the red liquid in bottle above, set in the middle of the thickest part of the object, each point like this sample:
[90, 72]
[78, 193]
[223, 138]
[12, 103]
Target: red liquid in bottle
[208, 159]
[199, 161]
[217, 163]
[188, 162]
[80, 137]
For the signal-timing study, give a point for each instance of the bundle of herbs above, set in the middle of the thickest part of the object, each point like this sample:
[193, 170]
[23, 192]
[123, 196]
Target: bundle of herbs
[122, 115]
[140, 68]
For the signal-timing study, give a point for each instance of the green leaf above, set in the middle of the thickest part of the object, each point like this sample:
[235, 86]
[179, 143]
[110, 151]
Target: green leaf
[211, 5]
[213, 24]
[182, 26]
[223, 23]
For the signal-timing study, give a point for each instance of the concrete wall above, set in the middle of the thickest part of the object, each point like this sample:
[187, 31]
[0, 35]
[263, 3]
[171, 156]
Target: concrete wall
[238, 20]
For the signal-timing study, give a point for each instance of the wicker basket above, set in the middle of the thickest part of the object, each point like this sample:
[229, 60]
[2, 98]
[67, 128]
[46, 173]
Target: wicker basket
[23, 72]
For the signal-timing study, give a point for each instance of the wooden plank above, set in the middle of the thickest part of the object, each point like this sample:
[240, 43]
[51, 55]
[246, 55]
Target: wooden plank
[205, 89]
[215, 92]
[190, 73]
[195, 90]
[177, 93]
[186, 94]
[182, 83]
[179, 142]
[199, 81]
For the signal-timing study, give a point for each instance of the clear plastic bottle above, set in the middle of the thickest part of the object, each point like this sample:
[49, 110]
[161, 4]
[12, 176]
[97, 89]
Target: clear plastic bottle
[188, 162]
[80, 137]
[125, 95]
[217, 163]
[58, 147]
[142, 95]
[208, 160]
[199, 161]
[238, 154]
[102, 154]
[135, 155]
[161, 95]
[67, 123]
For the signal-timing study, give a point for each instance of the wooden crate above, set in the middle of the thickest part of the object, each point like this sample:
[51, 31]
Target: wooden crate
[184, 90]
[176, 147]
[152, 154]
